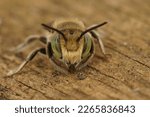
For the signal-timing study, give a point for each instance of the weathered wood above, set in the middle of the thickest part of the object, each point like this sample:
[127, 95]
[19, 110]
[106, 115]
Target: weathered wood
[125, 75]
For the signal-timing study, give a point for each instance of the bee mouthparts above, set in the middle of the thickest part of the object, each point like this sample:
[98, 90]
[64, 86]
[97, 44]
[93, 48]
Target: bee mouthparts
[72, 68]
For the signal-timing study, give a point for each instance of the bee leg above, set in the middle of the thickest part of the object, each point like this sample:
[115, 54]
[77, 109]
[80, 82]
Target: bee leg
[28, 41]
[29, 58]
[101, 45]
[85, 62]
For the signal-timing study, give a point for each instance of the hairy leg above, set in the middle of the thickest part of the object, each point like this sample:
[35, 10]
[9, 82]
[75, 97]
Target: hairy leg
[28, 41]
[29, 58]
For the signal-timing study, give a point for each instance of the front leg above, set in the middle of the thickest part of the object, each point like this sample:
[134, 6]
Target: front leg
[29, 58]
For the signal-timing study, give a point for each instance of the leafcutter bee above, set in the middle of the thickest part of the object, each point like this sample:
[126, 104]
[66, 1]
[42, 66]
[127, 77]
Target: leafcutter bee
[69, 45]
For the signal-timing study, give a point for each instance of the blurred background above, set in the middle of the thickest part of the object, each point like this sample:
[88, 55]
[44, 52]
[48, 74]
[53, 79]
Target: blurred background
[24, 17]
[126, 37]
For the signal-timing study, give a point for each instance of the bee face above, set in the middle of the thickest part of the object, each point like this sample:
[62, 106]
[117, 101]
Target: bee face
[72, 53]
[71, 46]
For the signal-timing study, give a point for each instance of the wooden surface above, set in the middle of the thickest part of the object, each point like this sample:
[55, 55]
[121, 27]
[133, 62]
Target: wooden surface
[126, 75]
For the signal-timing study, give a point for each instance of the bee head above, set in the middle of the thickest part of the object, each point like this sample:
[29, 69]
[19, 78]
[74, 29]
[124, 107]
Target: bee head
[72, 32]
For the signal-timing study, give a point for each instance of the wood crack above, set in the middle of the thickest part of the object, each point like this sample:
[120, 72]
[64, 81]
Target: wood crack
[129, 57]
[124, 83]
[34, 89]
[102, 73]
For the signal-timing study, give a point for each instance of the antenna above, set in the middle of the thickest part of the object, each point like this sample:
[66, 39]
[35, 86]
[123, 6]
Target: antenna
[91, 28]
[49, 27]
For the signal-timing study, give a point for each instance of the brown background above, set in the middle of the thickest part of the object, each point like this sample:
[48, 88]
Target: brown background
[126, 75]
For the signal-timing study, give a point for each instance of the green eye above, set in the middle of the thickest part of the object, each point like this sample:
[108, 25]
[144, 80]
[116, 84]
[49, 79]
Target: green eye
[87, 46]
[56, 46]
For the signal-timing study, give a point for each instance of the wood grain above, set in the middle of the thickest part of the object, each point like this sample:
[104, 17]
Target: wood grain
[125, 75]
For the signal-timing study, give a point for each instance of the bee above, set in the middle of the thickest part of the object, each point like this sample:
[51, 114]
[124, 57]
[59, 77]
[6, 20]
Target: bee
[69, 45]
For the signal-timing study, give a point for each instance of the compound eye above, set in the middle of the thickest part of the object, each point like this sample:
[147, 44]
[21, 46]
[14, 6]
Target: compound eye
[56, 47]
[87, 46]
